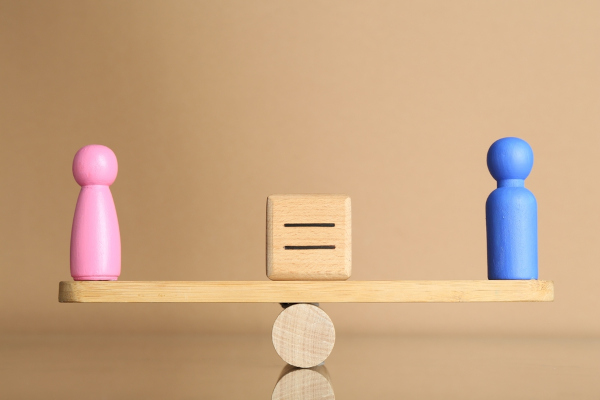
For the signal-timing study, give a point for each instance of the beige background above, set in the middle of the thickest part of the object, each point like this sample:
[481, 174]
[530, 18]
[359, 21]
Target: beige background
[212, 106]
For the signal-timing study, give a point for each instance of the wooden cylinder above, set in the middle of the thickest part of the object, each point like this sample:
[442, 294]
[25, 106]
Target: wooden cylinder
[303, 335]
[303, 383]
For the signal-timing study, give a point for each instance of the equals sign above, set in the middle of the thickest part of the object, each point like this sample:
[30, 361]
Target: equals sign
[317, 225]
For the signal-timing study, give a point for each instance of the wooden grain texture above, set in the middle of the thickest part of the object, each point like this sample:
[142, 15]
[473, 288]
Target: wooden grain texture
[316, 244]
[304, 291]
[303, 383]
[303, 335]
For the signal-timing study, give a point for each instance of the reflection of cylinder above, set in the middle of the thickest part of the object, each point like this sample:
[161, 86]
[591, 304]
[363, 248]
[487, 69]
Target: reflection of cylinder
[303, 335]
[303, 383]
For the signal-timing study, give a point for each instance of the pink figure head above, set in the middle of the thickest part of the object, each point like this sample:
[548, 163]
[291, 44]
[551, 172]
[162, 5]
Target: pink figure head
[95, 165]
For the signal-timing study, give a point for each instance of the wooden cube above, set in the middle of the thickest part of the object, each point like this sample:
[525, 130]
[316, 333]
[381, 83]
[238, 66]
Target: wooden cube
[309, 237]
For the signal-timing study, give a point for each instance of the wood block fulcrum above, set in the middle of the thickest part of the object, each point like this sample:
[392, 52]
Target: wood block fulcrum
[309, 237]
[303, 335]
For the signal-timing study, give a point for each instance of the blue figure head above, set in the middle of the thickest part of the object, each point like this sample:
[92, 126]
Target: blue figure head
[510, 158]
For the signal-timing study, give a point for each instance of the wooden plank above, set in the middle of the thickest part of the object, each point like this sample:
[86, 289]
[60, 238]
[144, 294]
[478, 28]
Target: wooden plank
[304, 291]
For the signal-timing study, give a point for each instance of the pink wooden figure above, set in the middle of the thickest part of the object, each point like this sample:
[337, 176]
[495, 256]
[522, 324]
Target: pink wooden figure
[95, 237]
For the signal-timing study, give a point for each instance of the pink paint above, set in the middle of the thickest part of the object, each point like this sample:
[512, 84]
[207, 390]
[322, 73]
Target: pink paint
[95, 237]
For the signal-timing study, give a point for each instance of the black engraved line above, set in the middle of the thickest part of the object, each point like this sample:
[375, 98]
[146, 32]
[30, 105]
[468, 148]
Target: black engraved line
[309, 247]
[316, 225]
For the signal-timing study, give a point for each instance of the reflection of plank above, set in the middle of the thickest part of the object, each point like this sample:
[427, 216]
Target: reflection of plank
[303, 291]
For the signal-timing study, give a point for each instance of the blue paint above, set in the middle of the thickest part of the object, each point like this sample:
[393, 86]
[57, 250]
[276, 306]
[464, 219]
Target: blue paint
[511, 213]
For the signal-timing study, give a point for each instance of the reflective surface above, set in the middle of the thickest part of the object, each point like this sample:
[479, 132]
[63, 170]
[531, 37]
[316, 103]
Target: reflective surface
[231, 367]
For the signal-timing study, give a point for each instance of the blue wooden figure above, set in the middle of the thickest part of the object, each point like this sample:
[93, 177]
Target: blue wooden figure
[511, 212]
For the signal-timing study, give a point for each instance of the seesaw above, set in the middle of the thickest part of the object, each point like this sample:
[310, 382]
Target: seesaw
[466, 291]
[309, 258]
